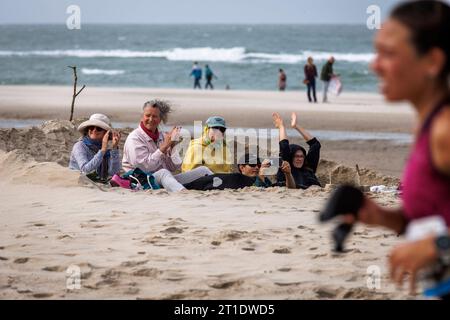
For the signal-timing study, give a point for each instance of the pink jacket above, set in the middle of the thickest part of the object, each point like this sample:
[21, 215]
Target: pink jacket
[140, 151]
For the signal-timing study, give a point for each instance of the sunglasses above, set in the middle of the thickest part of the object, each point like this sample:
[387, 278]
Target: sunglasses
[222, 129]
[98, 129]
[253, 165]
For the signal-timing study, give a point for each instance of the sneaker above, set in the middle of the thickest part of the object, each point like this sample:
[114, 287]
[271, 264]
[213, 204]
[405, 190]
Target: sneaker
[117, 181]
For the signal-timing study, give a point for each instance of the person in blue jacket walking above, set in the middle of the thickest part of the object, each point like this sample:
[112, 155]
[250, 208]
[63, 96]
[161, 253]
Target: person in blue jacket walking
[197, 74]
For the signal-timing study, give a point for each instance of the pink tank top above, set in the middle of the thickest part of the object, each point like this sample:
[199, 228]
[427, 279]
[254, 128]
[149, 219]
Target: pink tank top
[426, 192]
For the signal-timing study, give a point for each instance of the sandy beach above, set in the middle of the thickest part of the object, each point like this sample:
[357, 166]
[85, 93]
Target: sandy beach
[242, 244]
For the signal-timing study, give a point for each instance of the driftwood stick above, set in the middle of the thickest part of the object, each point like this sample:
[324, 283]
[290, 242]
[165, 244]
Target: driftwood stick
[75, 93]
[84, 86]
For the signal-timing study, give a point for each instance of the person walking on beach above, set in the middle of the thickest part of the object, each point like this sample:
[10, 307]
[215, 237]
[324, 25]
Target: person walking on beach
[209, 76]
[91, 155]
[310, 78]
[151, 150]
[197, 74]
[412, 63]
[325, 75]
[282, 80]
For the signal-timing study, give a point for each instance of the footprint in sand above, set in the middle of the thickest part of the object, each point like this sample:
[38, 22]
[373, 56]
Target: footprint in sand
[147, 272]
[91, 224]
[285, 284]
[225, 284]
[21, 260]
[37, 204]
[110, 277]
[133, 263]
[282, 251]
[304, 228]
[54, 269]
[172, 230]
[233, 235]
[64, 236]
[286, 269]
[174, 275]
[174, 222]
[325, 292]
[39, 224]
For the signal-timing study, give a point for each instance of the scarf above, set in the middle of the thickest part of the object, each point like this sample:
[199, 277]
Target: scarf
[95, 146]
[154, 136]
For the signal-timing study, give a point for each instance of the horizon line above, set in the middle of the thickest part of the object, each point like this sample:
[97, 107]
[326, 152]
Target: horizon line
[190, 23]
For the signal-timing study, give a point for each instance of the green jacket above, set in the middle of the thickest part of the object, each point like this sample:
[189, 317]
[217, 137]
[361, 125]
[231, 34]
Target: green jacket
[327, 72]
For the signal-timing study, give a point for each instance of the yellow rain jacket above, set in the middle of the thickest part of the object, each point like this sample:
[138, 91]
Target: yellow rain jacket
[202, 153]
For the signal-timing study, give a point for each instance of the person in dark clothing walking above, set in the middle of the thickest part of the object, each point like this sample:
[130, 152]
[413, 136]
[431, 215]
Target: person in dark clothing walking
[282, 80]
[325, 76]
[209, 76]
[197, 74]
[303, 164]
[310, 78]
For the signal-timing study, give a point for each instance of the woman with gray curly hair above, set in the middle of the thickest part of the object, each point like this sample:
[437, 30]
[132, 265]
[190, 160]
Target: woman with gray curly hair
[151, 150]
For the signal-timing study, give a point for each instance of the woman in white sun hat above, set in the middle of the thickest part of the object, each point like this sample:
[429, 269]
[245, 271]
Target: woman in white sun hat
[91, 155]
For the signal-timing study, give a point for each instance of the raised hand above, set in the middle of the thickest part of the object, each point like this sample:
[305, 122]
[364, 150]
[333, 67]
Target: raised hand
[277, 120]
[105, 141]
[293, 120]
[115, 139]
[175, 136]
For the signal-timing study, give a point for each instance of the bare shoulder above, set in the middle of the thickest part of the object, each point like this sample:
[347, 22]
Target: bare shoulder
[440, 140]
[441, 125]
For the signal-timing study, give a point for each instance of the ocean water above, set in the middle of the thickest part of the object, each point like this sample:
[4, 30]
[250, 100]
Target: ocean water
[242, 56]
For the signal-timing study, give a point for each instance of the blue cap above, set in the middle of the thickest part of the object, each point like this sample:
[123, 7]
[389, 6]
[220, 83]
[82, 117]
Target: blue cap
[216, 121]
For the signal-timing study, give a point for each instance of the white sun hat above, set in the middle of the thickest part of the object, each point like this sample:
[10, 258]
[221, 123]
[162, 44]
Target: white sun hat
[96, 120]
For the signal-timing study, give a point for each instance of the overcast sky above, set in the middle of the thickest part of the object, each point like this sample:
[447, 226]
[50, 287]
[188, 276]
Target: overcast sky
[192, 11]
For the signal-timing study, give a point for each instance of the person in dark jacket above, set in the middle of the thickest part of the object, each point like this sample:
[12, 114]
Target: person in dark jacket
[196, 72]
[325, 76]
[209, 75]
[282, 80]
[251, 173]
[303, 164]
[310, 71]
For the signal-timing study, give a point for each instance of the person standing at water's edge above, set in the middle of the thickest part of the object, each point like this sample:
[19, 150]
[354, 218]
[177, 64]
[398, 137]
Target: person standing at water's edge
[209, 74]
[197, 74]
[282, 80]
[325, 76]
[310, 78]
